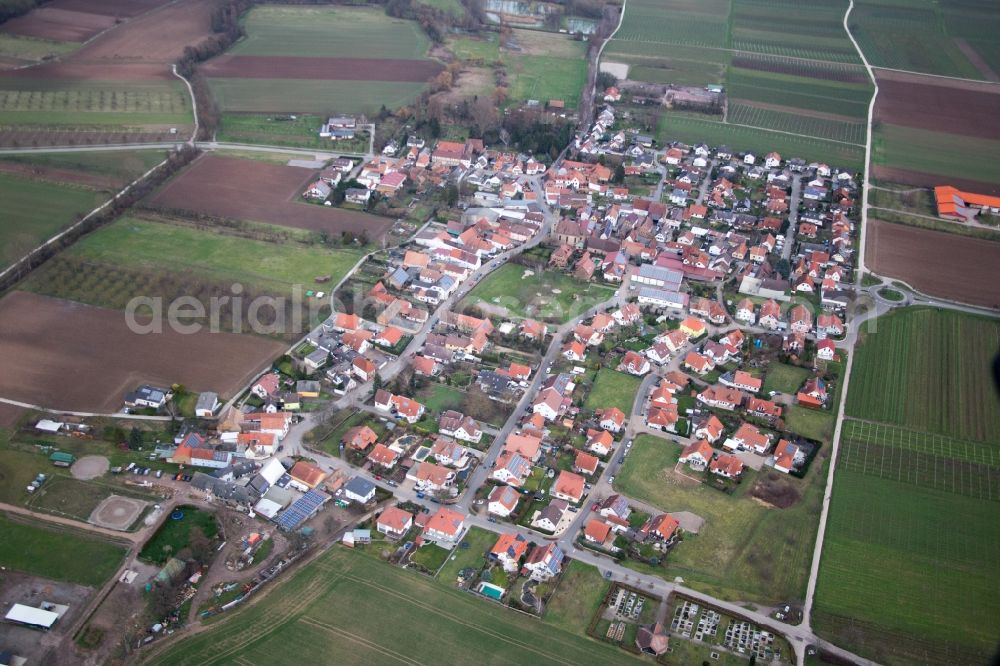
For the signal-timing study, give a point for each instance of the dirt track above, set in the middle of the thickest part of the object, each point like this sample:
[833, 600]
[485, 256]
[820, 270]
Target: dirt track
[261, 192]
[56, 175]
[65, 355]
[937, 263]
[326, 69]
[944, 105]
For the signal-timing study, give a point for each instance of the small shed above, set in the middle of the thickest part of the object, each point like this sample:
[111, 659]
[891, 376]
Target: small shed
[62, 459]
[31, 616]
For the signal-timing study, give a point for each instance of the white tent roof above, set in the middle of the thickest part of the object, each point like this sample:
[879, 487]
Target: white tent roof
[33, 616]
[47, 425]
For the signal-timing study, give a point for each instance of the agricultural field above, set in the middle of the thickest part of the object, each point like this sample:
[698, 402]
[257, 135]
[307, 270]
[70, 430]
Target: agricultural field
[943, 359]
[17, 50]
[934, 260]
[105, 170]
[792, 77]
[155, 245]
[35, 210]
[912, 35]
[894, 585]
[613, 389]
[93, 109]
[347, 603]
[512, 290]
[340, 60]
[217, 185]
[59, 554]
[692, 129]
[65, 355]
[745, 549]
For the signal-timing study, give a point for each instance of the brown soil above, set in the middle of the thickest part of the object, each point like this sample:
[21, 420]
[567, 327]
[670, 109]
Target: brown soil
[329, 69]
[937, 263]
[65, 355]
[261, 192]
[10, 415]
[61, 25]
[52, 174]
[924, 179]
[119, 8]
[943, 105]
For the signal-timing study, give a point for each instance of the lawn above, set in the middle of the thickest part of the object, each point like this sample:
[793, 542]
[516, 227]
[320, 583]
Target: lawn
[744, 550]
[480, 541]
[812, 423]
[613, 389]
[70, 497]
[174, 535]
[430, 556]
[328, 32]
[32, 49]
[331, 442]
[548, 295]
[485, 50]
[345, 603]
[929, 370]
[57, 554]
[440, 397]
[17, 470]
[577, 597]
[36, 210]
[784, 378]
[158, 246]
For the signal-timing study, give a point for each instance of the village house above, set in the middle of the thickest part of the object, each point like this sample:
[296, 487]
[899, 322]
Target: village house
[548, 519]
[445, 526]
[458, 425]
[569, 487]
[544, 562]
[727, 466]
[599, 441]
[394, 522]
[611, 419]
[721, 397]
[502, 501]
[508, 551]
[710, 429]
[698, 454]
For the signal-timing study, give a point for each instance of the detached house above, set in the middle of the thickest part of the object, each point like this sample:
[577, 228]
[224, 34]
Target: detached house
[600, 442]
[444, 526]
[721, 397]
[508, 551]
[394, 522]
[544, 562]
[698, 453]
[726, 466]
[502, 501]
[569, 487]
[611, 419]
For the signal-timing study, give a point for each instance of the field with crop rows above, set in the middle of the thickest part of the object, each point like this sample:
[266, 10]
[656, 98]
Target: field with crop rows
[912, 36]
[675, 22]
[937, 156]
[691, 129]
[943, 359]
[55, 102]
[822, 128]
[797, 92]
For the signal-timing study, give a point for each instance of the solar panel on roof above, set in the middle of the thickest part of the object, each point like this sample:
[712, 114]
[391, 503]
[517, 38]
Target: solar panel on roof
[302, 509]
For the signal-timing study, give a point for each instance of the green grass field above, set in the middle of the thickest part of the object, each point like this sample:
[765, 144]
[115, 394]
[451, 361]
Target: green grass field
[328, 32]
[440, 397]
[73, 498]
[57, 554]
[31, 49]
[544, 78]
[950, 155]
[744, 550]
[485, 50]
[799, 92]
[453, 7]
[547, 295]
[303, 132]
[784, 378]
[681, 127]
[292, 95]
[349, 606]
[174, 535]
[578, 596]
[613, 389]
[909, 573]
[156, 246]
[811, 423]
[35, 210]
[938, 365]
[123, 166]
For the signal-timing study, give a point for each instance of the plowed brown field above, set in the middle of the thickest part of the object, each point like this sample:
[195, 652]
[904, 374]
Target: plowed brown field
[937, 263]
[61, 25]
[943, 105]
[329, 69]
[65, 355]
[260, 192]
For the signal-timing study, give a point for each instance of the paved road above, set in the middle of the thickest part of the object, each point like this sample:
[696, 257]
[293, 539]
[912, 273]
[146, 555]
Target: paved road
[793, 217]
